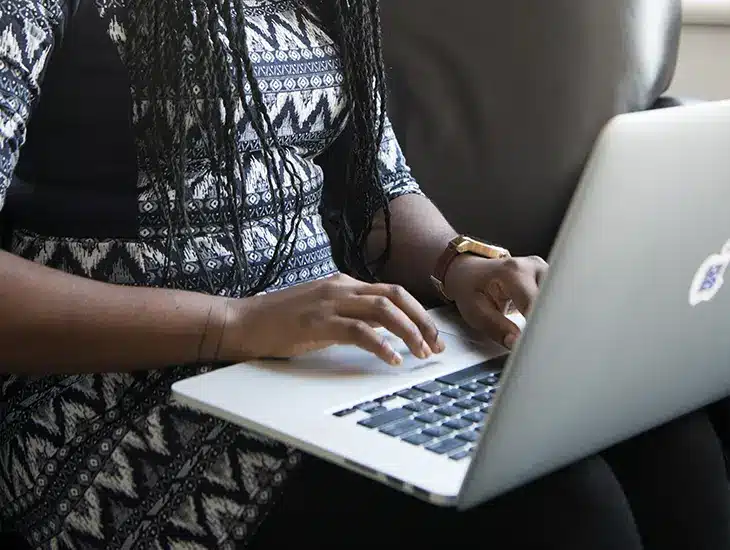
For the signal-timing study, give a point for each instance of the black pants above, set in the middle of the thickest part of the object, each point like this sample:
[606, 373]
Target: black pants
[663, 490]
[720, 416]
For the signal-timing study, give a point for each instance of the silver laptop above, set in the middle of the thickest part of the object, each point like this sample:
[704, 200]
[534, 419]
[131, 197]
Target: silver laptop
[631, 329]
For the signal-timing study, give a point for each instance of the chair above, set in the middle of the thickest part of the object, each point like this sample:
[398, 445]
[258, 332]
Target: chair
[497, 103]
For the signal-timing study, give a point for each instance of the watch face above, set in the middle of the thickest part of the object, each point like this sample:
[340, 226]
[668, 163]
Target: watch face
[462, 244]
[466, 244]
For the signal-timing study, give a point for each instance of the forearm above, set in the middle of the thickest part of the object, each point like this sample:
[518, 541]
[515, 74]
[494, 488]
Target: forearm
[419, 234]
[52, 322]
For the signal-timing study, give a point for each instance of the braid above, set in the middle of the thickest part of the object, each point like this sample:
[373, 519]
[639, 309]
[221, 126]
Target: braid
[192, 74]
[360, 46]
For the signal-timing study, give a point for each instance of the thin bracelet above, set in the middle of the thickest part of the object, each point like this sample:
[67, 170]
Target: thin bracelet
[204, 335]
[223, 331]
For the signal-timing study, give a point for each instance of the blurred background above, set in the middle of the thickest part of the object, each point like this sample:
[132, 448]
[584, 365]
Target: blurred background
[703, 69]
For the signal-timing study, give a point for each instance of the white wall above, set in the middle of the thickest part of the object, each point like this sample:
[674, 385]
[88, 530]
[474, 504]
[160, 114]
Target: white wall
[703, 69]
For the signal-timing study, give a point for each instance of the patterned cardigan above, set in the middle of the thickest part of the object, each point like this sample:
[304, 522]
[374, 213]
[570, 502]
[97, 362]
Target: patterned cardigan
[106, 460]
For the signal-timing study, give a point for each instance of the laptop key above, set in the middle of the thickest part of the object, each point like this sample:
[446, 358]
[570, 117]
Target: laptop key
[458, 424]
[385, 418]
[401, 428]
[430, 387]
[429, 418]
[472, 387]
[456, 393]
[410, 393]
[417, 406]
[437, 431]
[418, 439]
[367, 406]
[468, 404]
[475, 416]
[437, 399]
[488, 380]
[468, 436]
[464, 375]
[458, 455]
[484, 397]
[445, 446]
[345, 412]
[449, 410]
[386, 398]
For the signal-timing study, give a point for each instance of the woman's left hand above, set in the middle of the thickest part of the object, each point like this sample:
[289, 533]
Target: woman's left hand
[485, 289]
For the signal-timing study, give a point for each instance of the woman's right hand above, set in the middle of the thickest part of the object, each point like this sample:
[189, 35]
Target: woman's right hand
[335, 310]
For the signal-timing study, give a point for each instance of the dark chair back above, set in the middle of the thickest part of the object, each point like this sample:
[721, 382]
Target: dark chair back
[498, 102]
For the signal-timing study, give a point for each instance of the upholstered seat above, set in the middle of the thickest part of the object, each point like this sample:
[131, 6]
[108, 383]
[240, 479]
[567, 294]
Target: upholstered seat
[498, 102]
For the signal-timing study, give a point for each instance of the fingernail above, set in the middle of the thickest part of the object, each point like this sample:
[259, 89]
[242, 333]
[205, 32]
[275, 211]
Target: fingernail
[440, 345]
[396, 359]
[509, 340]
[425, 350]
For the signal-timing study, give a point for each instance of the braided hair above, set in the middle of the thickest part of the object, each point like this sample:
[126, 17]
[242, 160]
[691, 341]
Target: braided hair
[190, 67]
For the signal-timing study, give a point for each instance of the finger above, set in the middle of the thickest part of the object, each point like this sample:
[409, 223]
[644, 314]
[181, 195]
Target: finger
[381, 310]
[359, 333]
[520, 286]
[404, 301]
[539, 266]
[492, 322]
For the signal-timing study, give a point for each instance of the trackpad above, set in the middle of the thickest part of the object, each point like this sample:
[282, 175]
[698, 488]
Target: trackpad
[346, 360]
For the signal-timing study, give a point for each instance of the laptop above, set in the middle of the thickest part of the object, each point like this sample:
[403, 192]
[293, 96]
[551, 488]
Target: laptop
[630, 330]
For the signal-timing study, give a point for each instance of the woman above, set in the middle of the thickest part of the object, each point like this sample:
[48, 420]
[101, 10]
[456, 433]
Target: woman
[184, 228]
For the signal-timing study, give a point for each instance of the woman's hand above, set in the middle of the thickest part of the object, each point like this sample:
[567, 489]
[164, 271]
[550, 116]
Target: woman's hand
[484, 289]
[336, 310]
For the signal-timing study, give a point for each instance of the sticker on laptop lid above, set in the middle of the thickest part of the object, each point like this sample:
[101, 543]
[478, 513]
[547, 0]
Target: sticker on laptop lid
[709, 278]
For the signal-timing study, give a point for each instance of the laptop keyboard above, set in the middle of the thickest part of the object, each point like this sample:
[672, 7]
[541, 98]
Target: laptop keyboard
[444, 415]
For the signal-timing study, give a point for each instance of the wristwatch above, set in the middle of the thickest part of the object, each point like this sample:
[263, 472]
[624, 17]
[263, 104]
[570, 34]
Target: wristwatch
[462, 244]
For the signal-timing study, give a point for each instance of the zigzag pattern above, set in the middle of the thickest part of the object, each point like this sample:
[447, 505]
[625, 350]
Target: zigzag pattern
[106, 461]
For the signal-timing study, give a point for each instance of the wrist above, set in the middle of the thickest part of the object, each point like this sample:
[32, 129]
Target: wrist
[234, 328]
[456, 278]
[214, 330]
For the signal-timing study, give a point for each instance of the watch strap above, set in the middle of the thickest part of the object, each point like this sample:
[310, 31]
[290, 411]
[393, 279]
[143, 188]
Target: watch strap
[443, 263]
[457, 246]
